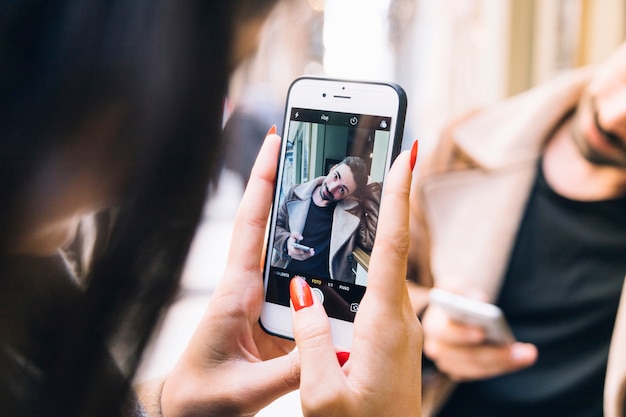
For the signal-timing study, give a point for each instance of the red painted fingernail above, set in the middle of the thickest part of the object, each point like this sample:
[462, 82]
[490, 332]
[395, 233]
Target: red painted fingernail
[343, 357]
[272, 131]
[414, 153]
[300, 293]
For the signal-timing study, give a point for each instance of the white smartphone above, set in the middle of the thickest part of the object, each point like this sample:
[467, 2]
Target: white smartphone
[339, 141]
[473, 312]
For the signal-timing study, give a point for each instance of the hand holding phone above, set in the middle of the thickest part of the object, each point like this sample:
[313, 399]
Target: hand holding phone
[296, 250]
[230, 329]
[387, 335]
[452, 342]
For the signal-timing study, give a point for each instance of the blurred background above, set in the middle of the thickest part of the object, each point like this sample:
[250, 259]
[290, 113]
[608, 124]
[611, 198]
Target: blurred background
[449, 55]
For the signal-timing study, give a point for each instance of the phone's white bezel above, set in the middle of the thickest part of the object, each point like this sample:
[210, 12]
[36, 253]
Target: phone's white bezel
[358, 97]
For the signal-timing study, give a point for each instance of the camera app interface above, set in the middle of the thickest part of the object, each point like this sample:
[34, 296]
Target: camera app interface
[327, 209]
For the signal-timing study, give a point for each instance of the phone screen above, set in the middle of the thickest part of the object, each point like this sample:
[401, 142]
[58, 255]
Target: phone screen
[339, 159]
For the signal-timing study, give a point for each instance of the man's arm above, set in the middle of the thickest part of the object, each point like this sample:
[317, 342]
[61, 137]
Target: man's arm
[282, 233]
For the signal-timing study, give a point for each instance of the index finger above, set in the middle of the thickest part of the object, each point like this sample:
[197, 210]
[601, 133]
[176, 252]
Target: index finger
[387, 268]
[251, 219]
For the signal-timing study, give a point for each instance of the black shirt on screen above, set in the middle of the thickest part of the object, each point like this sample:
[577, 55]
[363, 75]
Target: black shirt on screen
[316, 233]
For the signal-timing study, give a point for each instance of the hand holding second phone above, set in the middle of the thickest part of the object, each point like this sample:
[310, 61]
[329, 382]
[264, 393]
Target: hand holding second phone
[462, 352]
[295, 252]
[383, 373]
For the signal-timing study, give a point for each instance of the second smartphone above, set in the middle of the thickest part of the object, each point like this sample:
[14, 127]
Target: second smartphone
[339, 141]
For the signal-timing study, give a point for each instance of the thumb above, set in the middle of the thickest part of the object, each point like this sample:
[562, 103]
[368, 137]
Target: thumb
[523, 354]
[311, 328]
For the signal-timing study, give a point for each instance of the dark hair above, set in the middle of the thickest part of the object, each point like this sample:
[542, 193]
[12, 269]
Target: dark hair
[359, 171]
[164, 65]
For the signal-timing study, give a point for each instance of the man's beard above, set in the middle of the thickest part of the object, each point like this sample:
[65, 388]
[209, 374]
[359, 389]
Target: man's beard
[586, 149]
[325, 194]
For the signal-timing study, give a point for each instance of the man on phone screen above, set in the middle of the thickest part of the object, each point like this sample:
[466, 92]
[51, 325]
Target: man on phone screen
[317, 224]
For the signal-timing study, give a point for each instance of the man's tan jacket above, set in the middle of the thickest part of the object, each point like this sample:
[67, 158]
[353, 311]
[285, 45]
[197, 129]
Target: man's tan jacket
[468, 202]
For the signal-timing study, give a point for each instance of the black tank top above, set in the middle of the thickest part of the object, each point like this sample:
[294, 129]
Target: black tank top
[561, 292]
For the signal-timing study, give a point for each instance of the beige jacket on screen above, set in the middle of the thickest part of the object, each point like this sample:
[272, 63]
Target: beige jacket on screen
[469, 199]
